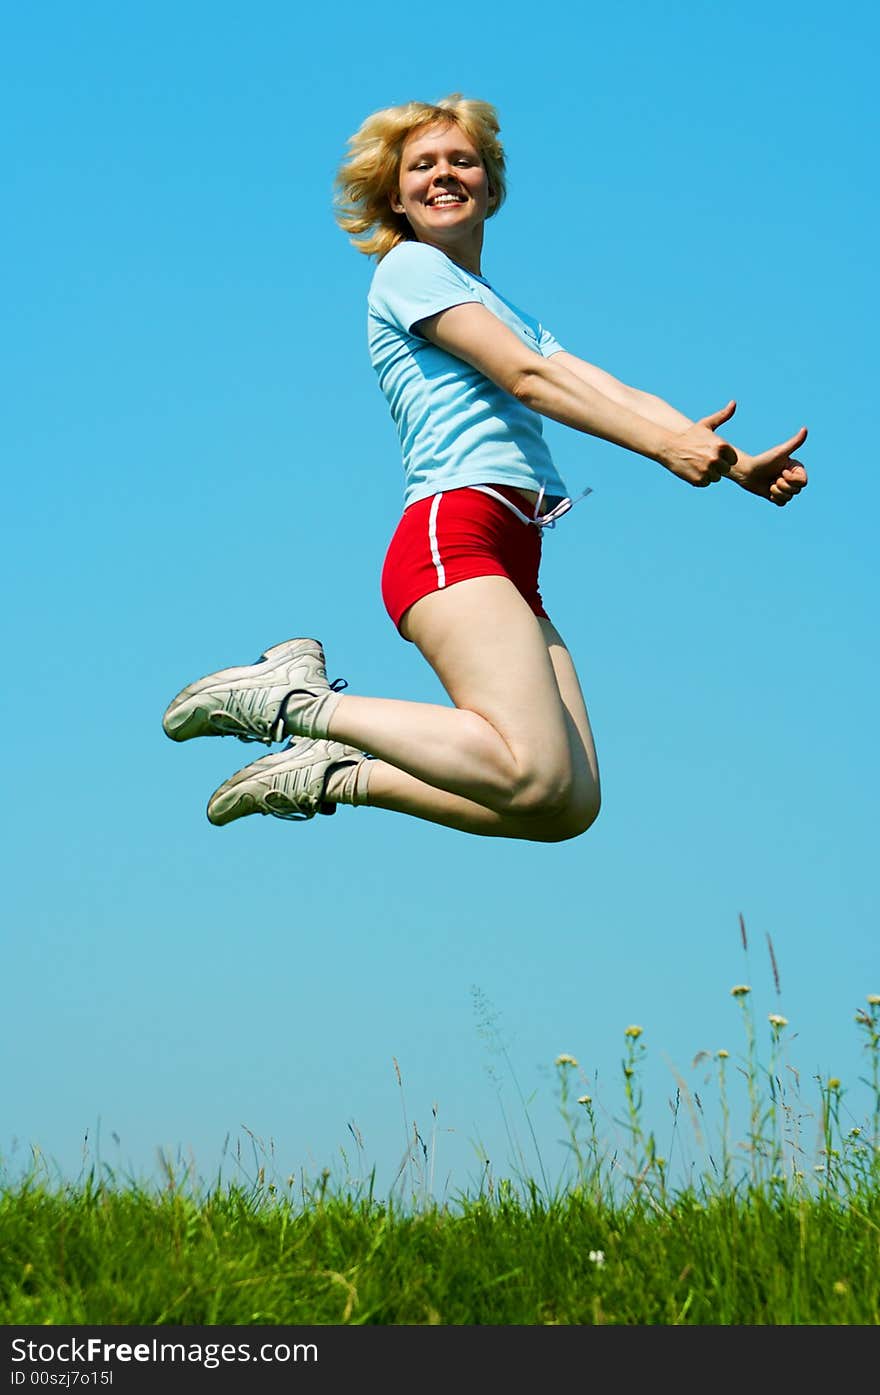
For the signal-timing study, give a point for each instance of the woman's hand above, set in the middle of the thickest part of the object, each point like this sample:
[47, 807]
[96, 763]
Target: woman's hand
[697, 455]
[774, 474]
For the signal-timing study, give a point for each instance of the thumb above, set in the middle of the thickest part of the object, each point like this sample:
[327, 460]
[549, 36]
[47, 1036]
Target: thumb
[716, 418]
[788, 447]
[796, 441]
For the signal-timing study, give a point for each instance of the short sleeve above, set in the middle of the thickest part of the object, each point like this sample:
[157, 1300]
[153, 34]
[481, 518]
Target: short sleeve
[415, 281]
[547, 344]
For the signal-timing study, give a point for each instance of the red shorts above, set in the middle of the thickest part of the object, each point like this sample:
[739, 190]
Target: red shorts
[455, 536]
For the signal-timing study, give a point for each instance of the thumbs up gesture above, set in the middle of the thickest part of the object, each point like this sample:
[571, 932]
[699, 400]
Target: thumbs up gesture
[774, 474]
[697, 455]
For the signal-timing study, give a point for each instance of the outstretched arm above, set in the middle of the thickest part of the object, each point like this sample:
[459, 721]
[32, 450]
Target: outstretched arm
[774, 475]
[575, 393]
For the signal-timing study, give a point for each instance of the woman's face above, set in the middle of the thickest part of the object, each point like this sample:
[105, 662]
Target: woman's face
[443, 185]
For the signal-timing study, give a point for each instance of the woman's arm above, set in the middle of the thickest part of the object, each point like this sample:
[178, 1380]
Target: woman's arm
[645, 403]
[578, 394]
[775, 475]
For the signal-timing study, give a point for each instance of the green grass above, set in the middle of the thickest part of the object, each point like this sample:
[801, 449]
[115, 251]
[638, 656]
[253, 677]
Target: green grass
[99, 1256]
[760, 1233]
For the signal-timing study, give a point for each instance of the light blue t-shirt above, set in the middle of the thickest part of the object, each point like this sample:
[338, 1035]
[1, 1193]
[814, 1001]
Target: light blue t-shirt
[456, 427]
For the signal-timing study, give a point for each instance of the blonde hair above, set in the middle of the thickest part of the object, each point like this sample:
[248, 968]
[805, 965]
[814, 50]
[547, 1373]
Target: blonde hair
[369, 175]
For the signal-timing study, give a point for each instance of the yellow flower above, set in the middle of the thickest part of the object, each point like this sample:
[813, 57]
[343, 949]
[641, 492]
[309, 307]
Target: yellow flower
[834, 1083]
[873, 999]
[840, 1286]
[740, 990]
[585, 1099]
[723, 1055]
[634, 1032]
[776, 1020]
[565, 1060]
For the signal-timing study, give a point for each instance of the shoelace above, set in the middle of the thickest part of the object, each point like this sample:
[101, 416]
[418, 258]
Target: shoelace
[244, 709]
[293, 814]
[276, 731]
[539, 520]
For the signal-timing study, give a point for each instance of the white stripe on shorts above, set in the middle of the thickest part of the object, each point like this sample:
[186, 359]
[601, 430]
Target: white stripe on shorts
[432, 539]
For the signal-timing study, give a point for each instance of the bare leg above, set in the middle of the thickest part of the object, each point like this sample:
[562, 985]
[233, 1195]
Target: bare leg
[514, 757]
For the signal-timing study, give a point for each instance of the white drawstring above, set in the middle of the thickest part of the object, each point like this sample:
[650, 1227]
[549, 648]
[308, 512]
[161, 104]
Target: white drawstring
[547, 520]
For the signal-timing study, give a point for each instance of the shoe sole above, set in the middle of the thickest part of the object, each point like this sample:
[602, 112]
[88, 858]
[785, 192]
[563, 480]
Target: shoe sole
[183, 718]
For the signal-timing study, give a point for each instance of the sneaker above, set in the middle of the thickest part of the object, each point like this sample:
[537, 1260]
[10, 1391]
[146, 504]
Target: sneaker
[289, 784]
[249, 702]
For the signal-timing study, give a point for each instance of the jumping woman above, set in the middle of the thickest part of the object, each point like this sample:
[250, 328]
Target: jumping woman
[468, 377]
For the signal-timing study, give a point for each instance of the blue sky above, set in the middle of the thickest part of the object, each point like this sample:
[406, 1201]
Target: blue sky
[201, 465]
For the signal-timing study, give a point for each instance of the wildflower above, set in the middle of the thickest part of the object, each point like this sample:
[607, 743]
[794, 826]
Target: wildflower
[597, 1257]
[834, 1083]
[855, 1133]
[585, 1099]
[777, 1020]
[723, 1055]
[634, 1032]
[740, 990]
[840, 1286]
[565, 1060]
[873, 999]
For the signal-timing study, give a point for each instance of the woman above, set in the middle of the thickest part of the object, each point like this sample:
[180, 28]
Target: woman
[468, 377]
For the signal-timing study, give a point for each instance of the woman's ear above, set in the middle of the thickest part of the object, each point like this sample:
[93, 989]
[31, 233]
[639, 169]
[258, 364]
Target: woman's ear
[395, 201]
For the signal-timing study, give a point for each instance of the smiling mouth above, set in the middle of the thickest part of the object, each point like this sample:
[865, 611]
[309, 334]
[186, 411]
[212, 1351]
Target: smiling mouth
[445, 200]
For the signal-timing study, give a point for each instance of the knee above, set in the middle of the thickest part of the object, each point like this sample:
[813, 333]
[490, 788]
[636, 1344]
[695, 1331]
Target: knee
[570, 822]
[563, 807]
[580, 815]
[542, 794]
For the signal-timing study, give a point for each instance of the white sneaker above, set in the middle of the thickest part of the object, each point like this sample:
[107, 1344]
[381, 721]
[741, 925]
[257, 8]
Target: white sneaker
[249, 702]
[290, 784]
